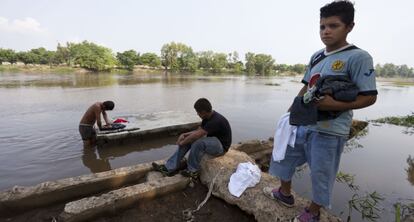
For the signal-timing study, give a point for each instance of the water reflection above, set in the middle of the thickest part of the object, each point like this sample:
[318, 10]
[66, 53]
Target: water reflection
[97, 158]
[79, 80]
[95, 164]
[354, 143]
[410, 169]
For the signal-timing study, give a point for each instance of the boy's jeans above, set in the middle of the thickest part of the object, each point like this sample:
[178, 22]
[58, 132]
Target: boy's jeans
[322, 152]
[209, 145]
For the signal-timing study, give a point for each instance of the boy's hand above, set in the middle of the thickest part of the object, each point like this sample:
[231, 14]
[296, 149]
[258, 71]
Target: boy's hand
[327, 103]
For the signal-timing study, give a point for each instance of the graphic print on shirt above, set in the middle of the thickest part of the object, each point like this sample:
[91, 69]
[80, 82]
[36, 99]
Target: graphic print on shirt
[338, 65]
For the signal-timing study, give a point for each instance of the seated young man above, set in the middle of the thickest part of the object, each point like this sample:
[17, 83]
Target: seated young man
[212, 137]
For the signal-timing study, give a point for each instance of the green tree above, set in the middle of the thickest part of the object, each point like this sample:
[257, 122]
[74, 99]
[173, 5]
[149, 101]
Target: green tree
[62, 55]
[27, 57]
[264, 64]
[404, 71]
[234, 63]
[205, 59]
[150, 59]
[91, 56]
[169, 56]
[128, 59]
[250, 63]
[8, 55]
[178, 57]
[43, 56]
[299, 68]
[219, 62]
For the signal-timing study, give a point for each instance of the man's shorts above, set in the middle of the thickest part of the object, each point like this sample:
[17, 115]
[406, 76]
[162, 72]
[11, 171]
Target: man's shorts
[87, 132]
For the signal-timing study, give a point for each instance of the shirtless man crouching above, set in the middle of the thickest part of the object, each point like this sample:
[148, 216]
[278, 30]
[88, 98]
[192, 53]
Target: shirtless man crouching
[92, 115]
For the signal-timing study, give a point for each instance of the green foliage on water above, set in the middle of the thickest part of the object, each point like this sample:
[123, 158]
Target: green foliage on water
[367, 205]
[347, 179]
[403, 209]
[407, 121]
[272, 84]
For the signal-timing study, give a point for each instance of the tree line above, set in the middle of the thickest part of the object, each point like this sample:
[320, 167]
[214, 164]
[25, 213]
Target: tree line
[174, 57]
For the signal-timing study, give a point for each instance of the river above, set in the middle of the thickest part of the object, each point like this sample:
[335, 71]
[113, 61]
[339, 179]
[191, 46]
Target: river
[40, 112]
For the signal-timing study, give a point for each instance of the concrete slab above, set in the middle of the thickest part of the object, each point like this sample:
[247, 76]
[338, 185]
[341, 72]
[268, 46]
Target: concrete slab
[111, 202]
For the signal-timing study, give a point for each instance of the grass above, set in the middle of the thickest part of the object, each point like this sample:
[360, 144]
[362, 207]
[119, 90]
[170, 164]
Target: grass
[407, 121]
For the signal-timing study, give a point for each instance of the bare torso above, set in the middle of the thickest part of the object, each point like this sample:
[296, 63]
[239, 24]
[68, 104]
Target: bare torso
[90, 115]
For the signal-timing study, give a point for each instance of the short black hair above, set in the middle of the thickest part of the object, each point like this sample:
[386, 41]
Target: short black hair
[109, 105]
[202, 104]
[343, 8]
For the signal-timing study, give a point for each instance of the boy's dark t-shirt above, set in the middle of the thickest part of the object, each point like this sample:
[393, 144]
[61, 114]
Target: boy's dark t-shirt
[219, 127]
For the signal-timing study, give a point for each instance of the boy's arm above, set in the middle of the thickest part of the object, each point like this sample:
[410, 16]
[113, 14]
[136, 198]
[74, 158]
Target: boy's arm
[330, 104]
[301, 93]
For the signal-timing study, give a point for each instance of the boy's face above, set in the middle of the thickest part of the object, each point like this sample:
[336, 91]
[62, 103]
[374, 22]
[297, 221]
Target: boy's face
[333, 32]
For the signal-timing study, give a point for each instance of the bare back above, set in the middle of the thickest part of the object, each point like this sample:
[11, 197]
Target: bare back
[91, 115]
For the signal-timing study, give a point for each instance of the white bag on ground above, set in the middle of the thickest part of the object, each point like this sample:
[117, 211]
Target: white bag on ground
[246, 175]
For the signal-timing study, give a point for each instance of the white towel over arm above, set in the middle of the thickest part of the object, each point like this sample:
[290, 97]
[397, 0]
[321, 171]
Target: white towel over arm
[285, 135]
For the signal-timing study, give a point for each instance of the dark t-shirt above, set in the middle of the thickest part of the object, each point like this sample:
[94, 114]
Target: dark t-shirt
[219, 127]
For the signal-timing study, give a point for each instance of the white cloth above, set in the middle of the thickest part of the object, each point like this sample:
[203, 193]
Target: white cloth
[285, 135]
[246, 175]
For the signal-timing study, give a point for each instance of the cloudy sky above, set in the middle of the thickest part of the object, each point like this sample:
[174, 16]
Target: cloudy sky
[288, 30]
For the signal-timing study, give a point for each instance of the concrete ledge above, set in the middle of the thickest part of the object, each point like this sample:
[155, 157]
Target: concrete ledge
[24, 198]
[148, 133]
[111, 202]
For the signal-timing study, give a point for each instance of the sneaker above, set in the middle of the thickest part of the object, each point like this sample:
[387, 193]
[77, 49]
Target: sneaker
[192, 175]
[163, 169]
[307, 216]
[275, 194]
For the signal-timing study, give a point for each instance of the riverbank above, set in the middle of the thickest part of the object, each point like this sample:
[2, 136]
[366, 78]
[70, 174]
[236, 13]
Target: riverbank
[60, 69]
[169, 206]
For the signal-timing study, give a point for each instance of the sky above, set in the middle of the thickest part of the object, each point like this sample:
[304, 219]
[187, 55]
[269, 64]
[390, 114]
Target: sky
[287, 30]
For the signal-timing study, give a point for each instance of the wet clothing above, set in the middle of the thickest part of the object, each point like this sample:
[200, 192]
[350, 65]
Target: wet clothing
[114, 126]
[87, 131]
[218, 126]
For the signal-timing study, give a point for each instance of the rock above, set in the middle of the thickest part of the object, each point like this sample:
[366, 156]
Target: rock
[153, 175]
[252, 201]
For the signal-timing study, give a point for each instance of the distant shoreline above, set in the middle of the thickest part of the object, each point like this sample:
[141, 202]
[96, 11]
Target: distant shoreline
[61, 69]
[46, 69]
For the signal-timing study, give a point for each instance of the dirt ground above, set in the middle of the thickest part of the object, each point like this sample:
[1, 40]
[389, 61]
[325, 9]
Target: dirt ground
[168, 208]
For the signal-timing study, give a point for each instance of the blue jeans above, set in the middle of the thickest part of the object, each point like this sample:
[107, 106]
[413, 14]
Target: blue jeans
[322, 152]
[209, 145]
